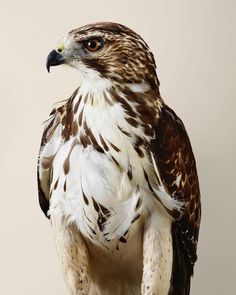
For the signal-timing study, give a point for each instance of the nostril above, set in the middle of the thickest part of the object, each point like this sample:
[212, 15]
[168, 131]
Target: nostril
[59, 50]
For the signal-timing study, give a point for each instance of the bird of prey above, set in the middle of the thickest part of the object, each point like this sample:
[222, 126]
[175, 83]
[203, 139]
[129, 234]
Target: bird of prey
[116, 172]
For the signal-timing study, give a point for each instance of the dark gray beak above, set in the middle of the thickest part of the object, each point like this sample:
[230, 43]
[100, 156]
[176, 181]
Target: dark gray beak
[54, 59]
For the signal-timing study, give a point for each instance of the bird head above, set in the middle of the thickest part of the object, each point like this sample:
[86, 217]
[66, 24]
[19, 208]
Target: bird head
[107, 51]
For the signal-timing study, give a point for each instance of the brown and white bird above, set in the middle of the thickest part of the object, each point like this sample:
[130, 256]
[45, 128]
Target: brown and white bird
[116, 172]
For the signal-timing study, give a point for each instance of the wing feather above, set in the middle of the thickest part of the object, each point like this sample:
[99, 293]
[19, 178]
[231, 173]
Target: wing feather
[44, 167]
[52, 138]
[175, 162]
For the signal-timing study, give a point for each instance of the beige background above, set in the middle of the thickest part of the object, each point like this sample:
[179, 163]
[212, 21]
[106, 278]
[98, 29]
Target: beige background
[194, 43]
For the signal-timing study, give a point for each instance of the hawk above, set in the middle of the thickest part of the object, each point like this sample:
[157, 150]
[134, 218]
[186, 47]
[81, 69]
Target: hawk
[116, 172]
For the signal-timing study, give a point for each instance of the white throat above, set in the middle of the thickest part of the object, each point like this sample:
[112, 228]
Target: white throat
[92, 83]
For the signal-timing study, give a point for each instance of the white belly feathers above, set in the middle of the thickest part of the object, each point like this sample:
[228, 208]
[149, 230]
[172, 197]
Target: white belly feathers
[100, 191]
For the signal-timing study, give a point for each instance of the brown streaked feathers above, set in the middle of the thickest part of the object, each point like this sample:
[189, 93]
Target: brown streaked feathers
[174, 158]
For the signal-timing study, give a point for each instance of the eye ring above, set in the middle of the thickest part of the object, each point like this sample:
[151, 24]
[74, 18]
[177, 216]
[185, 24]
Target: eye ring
[94, 44]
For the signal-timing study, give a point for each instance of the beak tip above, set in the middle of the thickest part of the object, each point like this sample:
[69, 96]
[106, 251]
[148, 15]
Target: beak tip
[54, 58]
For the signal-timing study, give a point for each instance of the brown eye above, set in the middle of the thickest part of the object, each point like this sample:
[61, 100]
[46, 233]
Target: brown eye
[93, 45]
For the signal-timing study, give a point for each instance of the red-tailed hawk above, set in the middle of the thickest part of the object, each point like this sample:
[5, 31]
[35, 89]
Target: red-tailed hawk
[116, 172]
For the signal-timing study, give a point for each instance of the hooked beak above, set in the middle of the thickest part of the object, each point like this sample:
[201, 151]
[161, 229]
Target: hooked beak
[54, 59]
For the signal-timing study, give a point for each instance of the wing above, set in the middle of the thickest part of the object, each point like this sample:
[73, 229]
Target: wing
[45, 159]
[53, 136]
[175, 162]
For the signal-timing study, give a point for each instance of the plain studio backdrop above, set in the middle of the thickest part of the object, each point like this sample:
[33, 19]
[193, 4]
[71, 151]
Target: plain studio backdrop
[194, 43]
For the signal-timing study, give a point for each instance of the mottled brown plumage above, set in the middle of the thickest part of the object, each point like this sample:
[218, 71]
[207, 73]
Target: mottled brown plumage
[142, 187]
[131, 66]
[174, 157]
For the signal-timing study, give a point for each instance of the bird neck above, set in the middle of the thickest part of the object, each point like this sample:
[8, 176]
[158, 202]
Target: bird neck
[132, 107]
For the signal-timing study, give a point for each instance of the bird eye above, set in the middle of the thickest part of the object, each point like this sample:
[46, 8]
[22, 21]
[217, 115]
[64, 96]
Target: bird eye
[93, 45]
